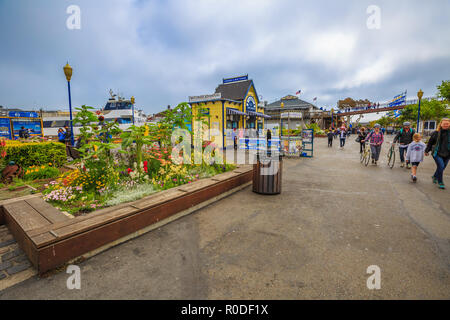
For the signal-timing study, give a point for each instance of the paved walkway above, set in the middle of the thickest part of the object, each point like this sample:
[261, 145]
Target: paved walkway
[333, 219]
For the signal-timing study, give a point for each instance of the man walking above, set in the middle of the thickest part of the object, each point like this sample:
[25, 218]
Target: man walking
[405, 137]
[68, 135]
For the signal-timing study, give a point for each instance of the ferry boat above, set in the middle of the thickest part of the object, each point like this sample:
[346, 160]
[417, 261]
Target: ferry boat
[116, 108]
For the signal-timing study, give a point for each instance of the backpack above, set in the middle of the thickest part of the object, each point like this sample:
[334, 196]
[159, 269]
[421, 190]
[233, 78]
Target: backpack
[412, 131]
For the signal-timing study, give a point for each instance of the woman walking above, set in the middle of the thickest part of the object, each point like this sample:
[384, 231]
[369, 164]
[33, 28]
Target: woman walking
[375, 139]
[439, 144]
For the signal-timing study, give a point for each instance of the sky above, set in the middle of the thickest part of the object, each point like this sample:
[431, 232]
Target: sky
[162, 52]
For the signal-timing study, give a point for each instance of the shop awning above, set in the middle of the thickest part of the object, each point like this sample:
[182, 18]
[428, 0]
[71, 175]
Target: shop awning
[235, 111]
[258, 114]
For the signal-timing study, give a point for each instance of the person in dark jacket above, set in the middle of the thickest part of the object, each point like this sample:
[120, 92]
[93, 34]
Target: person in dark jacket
[439, 145]
[362, 134]
[68, 135]
[23, 133]
[330, 135]
[405, 137]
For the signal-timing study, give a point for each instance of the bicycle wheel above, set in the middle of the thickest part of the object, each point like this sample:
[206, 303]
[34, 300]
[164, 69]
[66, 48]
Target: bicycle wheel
[391, 158]
[367, 158]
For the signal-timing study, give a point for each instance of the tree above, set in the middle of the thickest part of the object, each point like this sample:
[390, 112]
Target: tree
[444, 90]
[429, 110]
[350, 103]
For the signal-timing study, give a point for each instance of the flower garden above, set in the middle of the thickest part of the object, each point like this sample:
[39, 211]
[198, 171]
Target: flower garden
[114, 167]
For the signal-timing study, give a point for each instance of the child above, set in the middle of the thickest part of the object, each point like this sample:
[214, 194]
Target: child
[330, 135]
[415, 153]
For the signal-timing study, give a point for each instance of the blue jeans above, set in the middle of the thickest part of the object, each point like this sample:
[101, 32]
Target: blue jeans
[441, 163]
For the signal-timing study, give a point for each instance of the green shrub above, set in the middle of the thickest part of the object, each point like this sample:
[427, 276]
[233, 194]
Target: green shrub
[45, 172]
[33, 154]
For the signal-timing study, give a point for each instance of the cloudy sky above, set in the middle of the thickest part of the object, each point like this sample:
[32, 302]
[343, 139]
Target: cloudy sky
[164, 51]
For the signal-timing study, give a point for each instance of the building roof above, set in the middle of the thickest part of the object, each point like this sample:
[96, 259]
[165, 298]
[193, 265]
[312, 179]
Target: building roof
[235, 90]
[290, 102]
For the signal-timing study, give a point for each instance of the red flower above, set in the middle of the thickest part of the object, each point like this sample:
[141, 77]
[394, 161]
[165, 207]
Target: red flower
[3, 154]
[145, 166]
[129, 170]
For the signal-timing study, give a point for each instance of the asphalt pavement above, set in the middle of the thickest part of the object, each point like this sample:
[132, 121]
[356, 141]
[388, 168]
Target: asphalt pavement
[333, 219]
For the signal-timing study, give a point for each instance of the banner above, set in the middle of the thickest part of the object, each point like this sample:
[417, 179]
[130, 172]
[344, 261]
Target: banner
[398, 100]
[33, 126]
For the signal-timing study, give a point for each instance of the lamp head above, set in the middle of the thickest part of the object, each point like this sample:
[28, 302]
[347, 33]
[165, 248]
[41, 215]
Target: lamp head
[68, 71]
[420, 94]
[132, 100]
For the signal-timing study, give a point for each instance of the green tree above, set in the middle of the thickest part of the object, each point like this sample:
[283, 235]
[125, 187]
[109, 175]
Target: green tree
[137, 137]
[444, 90]
[179, 117]
[429, 110]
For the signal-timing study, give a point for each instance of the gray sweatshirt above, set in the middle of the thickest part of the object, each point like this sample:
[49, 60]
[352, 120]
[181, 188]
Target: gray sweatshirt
[415, 151]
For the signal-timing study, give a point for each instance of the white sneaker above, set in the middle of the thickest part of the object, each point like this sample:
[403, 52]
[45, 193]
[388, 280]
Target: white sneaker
[402, 165]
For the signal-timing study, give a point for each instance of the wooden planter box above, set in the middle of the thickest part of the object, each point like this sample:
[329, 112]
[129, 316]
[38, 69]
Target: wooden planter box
[50, 239]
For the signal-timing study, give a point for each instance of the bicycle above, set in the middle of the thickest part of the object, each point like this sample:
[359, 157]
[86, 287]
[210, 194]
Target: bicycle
[366, 154]
[391, 156]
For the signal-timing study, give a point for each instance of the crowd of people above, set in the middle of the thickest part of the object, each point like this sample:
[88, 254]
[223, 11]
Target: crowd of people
[368, 107]
[411, 148]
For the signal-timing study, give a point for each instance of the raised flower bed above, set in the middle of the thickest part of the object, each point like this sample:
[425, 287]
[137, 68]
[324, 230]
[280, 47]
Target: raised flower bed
[115, 191]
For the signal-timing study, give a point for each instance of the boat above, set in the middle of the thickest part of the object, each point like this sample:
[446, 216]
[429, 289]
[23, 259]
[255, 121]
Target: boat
[117, 108]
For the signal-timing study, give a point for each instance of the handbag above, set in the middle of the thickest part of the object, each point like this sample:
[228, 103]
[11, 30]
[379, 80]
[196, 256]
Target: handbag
[358, 139]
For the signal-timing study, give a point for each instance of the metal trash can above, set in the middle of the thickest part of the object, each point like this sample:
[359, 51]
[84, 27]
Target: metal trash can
[267, 174]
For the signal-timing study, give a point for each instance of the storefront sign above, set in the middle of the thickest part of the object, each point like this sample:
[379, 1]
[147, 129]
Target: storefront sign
[291, 115]
[241, 78]
[250, 104]
[205, 97]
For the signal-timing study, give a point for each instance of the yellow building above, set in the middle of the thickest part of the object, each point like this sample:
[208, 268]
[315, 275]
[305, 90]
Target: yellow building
[235, 104]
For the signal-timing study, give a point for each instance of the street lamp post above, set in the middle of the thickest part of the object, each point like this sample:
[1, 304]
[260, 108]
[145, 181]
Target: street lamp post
[419, 95]
[132, 107]
[68, 72]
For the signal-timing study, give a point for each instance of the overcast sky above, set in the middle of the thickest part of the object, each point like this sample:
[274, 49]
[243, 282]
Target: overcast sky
[164, 51]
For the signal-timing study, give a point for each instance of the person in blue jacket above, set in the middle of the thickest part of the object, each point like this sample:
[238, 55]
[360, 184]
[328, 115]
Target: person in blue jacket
[61, 136]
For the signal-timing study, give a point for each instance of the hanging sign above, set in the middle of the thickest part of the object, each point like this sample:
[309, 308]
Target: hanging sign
[241, 78]
[23, 114]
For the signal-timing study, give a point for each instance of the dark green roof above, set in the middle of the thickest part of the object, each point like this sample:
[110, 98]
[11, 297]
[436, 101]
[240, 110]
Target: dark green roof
[290, 103]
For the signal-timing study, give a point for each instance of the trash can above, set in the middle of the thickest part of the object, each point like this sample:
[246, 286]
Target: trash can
[267, 174]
